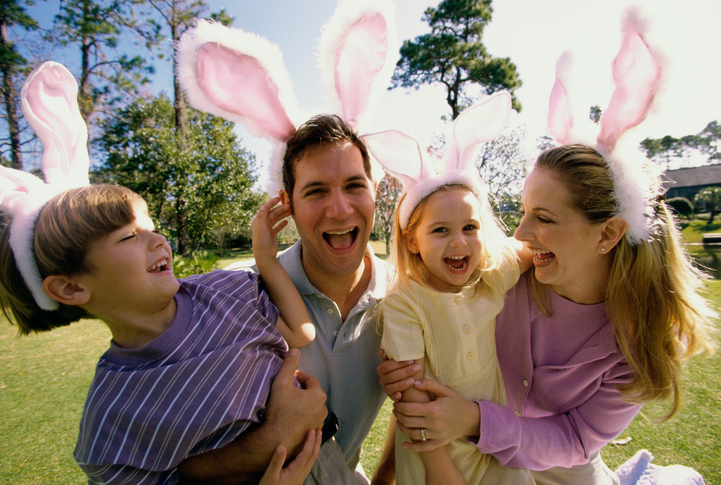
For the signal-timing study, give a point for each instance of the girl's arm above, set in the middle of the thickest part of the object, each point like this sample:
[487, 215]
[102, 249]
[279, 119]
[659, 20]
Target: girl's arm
[294, 322]
[440, 469]
[525, 258]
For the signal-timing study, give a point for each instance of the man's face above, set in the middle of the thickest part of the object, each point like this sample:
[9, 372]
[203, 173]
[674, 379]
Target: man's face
[333, 208]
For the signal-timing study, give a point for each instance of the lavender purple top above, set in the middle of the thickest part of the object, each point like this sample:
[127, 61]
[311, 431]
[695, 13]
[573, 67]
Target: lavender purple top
[195, 388]
[561, 376]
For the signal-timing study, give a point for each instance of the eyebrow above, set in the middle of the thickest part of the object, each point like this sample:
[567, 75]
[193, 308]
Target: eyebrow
[318, 183]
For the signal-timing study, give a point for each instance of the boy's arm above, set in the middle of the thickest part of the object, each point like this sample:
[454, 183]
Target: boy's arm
[440, 469]
[294, 323]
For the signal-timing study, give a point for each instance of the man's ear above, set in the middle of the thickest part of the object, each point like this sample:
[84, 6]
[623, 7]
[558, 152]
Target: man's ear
[64, 290]
[613, 230]
[285, 199]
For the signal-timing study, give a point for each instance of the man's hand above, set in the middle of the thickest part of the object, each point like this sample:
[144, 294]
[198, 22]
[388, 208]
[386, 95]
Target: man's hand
[290, 414]
[299, 468]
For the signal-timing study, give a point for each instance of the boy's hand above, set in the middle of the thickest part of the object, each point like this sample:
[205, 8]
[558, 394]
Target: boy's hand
[296, 471]
[267, 223]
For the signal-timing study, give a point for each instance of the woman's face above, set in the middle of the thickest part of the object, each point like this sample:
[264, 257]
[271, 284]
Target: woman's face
[567, 249]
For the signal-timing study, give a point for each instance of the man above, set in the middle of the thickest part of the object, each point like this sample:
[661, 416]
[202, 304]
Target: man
[328, 183]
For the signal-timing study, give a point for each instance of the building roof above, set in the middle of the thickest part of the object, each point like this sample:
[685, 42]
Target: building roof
[692, 177]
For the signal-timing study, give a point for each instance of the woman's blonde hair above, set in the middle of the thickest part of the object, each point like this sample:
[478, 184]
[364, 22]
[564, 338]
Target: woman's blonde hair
[659, 318]
[65, 228]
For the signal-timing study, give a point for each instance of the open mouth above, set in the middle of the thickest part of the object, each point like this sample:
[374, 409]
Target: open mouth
[341, 239]
[542, 257]
[456, 264]
[160, 267]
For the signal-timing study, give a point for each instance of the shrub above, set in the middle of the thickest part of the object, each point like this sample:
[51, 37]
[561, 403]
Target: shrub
[681, 206]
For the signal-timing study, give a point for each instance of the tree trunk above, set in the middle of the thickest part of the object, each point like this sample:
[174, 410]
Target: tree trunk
[10, 94]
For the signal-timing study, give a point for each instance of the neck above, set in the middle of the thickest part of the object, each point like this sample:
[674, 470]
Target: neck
[134, 331]
[346, 290]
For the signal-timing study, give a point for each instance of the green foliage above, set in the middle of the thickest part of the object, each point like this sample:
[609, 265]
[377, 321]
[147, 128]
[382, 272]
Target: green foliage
[681, 205]
[668, 148]
[387, 194]
[710, 197]
[200, 262]
[194, 192]
[453, 55]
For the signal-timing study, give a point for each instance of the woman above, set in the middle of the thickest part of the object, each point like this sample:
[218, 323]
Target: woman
[599, 326]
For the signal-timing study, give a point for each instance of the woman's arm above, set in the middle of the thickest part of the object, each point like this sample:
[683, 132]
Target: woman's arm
[294, 323]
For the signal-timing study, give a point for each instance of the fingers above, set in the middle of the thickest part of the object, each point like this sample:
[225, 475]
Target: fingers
[288, 368]
[396, 377]
[272, 473]
[309, 454]
[307, 381]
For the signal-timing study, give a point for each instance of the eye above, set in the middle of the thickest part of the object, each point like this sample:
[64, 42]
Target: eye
[129, 236]
[470, 227]
[439, 230]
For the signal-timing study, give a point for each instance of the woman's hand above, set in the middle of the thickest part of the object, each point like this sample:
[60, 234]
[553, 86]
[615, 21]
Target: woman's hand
[396, 377]
[448, 417]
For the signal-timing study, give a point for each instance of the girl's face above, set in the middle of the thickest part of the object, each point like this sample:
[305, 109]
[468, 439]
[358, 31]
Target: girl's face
[131, 273]
[448, 238]
[566, 247]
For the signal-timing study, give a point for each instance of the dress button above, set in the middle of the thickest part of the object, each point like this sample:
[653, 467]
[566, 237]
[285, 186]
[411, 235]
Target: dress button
[466, 329]
[470, 356]
[525, 382]
[459, 300]
[329, 311]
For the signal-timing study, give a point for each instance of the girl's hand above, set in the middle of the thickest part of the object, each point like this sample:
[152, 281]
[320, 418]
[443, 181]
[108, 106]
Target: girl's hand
[447, 418]
[299, 468]
[267, 223]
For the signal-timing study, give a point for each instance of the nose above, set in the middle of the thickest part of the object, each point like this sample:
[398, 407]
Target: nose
[156, 239]
[522, 232]
[457, 240]
[339, 206]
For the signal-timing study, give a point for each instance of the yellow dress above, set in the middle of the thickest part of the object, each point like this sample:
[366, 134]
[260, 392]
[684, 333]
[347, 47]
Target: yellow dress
[455, 334]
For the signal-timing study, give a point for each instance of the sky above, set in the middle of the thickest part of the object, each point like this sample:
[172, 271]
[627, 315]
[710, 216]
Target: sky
[533, 34]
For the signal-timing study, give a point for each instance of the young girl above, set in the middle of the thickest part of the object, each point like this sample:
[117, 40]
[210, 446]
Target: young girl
[191, 361]
[454, 266]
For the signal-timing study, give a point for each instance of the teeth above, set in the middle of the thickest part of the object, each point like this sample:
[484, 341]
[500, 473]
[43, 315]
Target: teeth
[158, 264]
[336, 233]
[456, 257]
[538, 251]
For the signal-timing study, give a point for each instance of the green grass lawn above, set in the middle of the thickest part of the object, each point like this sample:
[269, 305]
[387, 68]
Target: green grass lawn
[44, 378]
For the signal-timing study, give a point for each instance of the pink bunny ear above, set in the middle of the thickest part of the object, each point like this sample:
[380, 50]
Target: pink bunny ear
[636, 74]
[357, 55]
[482, 122]
[560, 119]
[239, 76]
[401, 156]
[50, 104]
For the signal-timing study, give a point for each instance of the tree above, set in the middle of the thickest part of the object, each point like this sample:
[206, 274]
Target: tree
[710, 196]
[12, 13]
[668, 148]
[453, 55]
[211, 176]
[387, 195]
[97, 26]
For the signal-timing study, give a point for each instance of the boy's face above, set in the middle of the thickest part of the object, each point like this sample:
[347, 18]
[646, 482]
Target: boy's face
[131, 273]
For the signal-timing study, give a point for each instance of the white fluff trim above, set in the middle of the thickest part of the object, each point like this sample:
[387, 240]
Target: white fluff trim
[428, 186]
[22, 242]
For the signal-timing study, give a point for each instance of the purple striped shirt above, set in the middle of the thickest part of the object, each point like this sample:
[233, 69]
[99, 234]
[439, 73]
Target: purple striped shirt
[195, 388]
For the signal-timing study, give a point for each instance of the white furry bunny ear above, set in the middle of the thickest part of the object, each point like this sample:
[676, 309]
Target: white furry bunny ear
[480, 123]
[238, 76]
[49, 102]
[636, 74]
[560, 118]
[357, 56]
[402, 157]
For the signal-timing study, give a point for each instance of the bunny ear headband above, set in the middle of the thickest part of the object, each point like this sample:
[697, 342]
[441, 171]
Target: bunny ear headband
[241, 77]
[403, 157]
[49, 102]
[636, 75]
